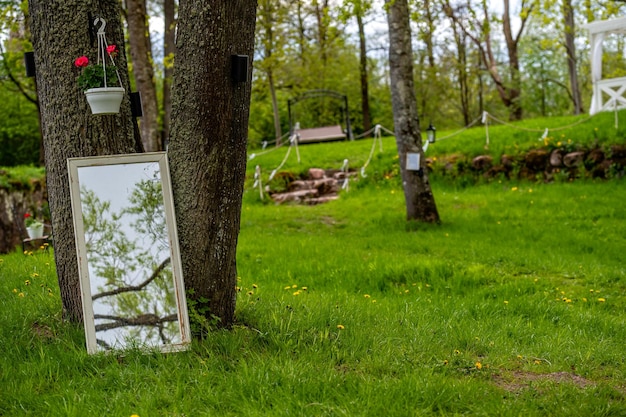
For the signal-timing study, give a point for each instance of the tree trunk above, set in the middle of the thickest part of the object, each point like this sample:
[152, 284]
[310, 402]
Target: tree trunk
[208, 146]
[570, 48]
[60, 33]
[141, 54]
[169, 51]
[420, 202]
[365, 97]
[275, 110]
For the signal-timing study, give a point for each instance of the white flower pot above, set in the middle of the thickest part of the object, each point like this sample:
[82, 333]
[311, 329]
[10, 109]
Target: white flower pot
[105, 100]
[35, 231]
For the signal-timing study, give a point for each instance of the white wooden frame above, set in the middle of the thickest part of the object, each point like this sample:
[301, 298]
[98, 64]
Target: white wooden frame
[614, 89]
[74, 164]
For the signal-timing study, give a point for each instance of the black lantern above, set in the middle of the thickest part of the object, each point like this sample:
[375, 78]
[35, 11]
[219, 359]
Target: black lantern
[431, 133]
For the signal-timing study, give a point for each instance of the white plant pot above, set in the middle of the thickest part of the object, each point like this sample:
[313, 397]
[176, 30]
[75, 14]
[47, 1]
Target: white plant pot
[35, 231]
[105, 100]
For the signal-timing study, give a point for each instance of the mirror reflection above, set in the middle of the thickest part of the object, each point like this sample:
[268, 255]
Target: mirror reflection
[132, 287]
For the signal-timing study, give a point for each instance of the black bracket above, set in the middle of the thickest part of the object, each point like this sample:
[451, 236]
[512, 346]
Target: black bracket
[239, 68]
[135, 104]
[29, 63]
[91, 29]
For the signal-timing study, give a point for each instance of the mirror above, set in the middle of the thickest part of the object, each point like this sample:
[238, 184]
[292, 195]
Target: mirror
[129, 261]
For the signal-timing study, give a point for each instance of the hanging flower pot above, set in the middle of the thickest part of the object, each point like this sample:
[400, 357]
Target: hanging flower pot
[34, 227]
[105, 100]
[101, 82]
[35, 231]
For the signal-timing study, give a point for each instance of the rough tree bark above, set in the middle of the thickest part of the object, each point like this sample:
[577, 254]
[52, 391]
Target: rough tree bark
[169, 51]
[141, 55]
[365, 97]
[570, 48]
[420, 201]
[208, 146]
[60, 33]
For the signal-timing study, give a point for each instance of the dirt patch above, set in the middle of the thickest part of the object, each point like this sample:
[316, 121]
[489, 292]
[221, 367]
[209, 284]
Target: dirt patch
[519, 380]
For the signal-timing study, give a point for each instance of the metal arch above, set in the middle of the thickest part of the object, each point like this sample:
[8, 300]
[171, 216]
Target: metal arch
[321, 93]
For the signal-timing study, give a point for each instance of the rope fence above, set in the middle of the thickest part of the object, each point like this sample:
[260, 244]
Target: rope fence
[377, 131]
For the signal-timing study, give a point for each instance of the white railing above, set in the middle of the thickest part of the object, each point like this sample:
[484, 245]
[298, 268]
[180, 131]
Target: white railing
[609, 95]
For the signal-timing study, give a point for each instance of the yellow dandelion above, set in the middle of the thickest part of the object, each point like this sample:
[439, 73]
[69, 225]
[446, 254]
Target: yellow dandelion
[506, 302]
[14, 290]
[25, 252]
[514, 189]
[537, 362]
[457, 352]
[21, 294]
[288, 287]
[584, 299]
[305, 288]
[134, 415]
[34, 275]
[250, 293]
[601, 300]
[445, 362]
[42, 247]
[406, 291]
[530, 190]
[297, 293]
[255, 286]
[366, 295]
[341, 326]
[479, 365]
[568, 300]
[373, 301]
[27, 282]
[237, 288]
[294, 286]
[519, 356]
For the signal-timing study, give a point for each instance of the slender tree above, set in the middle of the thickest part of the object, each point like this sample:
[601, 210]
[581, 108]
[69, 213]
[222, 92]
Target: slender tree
[208, 145]
[570, 49]
[143, 70]
[420, 201]
[60, 33]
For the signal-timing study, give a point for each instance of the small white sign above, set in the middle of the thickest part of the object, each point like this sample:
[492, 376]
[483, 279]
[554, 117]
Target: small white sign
[413, 161]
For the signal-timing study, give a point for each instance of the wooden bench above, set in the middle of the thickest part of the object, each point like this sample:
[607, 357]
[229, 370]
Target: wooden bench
[321, 134]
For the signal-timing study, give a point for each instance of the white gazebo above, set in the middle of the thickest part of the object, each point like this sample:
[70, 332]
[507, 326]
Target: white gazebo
[610, 93]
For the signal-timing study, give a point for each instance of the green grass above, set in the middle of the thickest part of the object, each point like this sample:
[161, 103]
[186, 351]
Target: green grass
[513, 306]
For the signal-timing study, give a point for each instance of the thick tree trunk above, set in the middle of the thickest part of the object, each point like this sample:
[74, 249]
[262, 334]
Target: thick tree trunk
[570, 48]
[208, 146]
[420, 202]
[365, 97]
[60, 33]
[169, 51]
[141, 54]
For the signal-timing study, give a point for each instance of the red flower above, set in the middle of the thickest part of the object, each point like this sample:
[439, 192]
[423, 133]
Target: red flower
[26, 215]
[81, 61]
[111, 49]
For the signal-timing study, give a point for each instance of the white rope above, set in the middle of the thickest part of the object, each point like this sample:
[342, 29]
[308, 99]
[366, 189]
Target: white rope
[346, 179]
[292, 140]
[102, 50]
[554, 129]
[257, 180]
[362, 135]
[377, 137]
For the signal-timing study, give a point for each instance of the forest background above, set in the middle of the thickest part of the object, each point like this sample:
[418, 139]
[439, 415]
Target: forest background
[516, 60]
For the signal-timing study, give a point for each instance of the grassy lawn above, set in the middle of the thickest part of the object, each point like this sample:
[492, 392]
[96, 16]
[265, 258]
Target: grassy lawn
[513, 306]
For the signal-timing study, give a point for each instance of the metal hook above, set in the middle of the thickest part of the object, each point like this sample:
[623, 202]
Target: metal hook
[104, 25]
